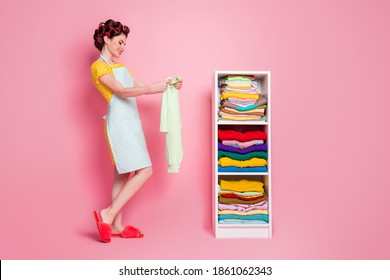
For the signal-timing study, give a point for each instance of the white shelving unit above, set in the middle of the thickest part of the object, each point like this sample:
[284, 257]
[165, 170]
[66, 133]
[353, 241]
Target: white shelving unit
[241, 230]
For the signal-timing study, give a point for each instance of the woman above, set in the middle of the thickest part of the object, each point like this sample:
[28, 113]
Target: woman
[123, 127]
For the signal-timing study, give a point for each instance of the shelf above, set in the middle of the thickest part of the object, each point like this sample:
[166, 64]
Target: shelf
[243, 232]
[241, 122]
[255, 230]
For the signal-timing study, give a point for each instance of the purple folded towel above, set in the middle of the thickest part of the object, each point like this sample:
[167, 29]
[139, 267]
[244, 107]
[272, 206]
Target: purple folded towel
[261, 147]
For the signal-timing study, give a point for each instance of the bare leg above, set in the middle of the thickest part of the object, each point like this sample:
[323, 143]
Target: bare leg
[128, 190]
[119, 182]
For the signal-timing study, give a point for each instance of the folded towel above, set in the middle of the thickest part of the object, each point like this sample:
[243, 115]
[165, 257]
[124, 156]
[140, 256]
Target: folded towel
[243, 169]
[242, 185]
[232, 200]
[239, 77]
[249, 113]
[260, 147]
[245, 198]
[226, 95]
[248, 156]
[229, 134]
[235, 212]
[240, 101]
[225, 161]
[263, 205]
[242, 145]
[239, 118]
[238, 221]
[262, 217]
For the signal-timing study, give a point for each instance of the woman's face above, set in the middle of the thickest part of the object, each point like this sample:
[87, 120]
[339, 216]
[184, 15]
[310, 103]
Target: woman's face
[116, 45]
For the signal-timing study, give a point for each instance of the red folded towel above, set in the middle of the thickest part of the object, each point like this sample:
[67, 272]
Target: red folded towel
[241, 136]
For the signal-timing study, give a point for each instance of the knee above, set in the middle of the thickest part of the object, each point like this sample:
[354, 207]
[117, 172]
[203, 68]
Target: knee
[147, 172]
[120, 177]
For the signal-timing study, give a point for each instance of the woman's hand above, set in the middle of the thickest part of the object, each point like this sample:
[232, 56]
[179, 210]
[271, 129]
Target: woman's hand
[158, 87]
[179, 84]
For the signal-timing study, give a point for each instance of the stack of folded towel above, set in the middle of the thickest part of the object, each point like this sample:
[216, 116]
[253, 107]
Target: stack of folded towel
[241, 99]
[242, 202]
[244, 151]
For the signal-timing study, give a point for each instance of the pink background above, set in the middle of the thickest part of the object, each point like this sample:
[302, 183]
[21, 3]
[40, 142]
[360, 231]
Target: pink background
[330, 71]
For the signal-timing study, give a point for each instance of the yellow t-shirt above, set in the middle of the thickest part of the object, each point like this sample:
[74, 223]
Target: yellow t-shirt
[100, 68]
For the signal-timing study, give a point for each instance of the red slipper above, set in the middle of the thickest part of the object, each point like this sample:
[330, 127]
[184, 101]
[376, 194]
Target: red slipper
[103, 228]
[129, 232]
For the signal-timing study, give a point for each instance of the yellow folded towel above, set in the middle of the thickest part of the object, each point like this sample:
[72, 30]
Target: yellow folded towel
[253, 162]
[227, 94]
[242, 186]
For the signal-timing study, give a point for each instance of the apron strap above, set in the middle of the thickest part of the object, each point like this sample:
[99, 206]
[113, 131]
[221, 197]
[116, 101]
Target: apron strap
[105, 60]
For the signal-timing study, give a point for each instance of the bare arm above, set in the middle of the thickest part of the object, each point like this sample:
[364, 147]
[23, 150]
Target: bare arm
[137, 83]
[139, 88]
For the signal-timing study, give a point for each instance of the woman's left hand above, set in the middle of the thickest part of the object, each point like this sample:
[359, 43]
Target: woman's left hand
[178, 85]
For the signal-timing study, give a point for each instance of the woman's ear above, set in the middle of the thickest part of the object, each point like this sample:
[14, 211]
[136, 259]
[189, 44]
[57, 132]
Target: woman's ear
[106, 39]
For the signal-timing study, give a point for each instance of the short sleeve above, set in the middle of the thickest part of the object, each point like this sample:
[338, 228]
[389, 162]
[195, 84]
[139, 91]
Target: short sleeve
[131, 74]
[99, 69]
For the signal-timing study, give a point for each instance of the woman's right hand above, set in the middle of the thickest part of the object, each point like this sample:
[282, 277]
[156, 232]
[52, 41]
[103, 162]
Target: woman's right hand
[158, 87]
